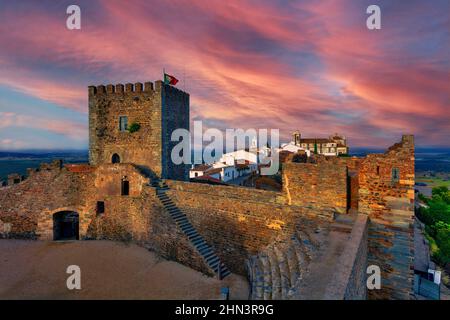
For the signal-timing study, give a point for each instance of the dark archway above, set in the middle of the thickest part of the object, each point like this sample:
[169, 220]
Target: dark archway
[115, 158]
[66, 226]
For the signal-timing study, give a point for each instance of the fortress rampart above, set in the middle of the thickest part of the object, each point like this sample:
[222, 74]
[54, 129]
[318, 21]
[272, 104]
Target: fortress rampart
[287, 242]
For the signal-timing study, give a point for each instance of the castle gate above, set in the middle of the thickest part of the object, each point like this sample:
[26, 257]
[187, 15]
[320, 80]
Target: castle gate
[66, 225]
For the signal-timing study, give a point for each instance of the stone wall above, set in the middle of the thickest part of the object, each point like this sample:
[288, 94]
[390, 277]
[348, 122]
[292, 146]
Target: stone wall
[238, 221]
[321, 185]
[29, 205]
[166, 239]
[389, 203]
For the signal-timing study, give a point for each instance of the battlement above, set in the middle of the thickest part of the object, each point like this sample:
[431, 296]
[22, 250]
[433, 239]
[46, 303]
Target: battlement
[16, 178]
[120, 88]
[138, 87]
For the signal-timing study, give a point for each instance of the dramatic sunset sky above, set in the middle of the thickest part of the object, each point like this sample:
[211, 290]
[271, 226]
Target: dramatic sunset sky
[306, 65]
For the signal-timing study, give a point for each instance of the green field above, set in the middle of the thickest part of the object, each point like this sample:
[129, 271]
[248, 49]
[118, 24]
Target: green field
[434, 182]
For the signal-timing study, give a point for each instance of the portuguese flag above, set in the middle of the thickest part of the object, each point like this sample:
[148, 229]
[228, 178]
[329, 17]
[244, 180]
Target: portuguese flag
[168, 79]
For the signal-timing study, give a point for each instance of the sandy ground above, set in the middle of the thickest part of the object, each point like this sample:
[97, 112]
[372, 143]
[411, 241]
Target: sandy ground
[109, 270]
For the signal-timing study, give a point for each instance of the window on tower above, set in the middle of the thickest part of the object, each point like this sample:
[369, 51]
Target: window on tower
[395, 175]
[123, 123]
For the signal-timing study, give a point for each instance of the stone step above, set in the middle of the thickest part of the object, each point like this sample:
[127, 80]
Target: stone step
[258, 293]
[225, 273]
[191, 234]
[178, 215]
[194, 236]
[293, 265]
[251, 270]
[215, 265]
[284, 271]
[306, 245]
[276, 276]
[201, 246]
[188, 230]
[211, 260]
[206, 251]
[302, 257]
[267, 277]
[209, 255]
[198, 242]
[182, 221]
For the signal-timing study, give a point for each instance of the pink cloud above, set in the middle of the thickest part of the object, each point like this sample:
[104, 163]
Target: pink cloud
[67, 128]
[309, 66]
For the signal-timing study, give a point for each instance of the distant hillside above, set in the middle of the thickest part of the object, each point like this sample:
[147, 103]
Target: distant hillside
[18, 162]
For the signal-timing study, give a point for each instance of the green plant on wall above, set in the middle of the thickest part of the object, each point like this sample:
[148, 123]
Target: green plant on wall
[134, 127]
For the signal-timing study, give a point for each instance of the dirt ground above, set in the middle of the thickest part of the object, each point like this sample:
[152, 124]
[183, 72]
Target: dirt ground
[109, 270]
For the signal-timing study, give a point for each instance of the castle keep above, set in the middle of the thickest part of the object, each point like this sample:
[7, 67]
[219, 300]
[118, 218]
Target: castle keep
[156, 110]
[313, 240]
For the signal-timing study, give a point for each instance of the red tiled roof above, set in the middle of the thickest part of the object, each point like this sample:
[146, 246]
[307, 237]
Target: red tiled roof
[315, 140]
[79, 168]
[213, 170]
[208, 178]
[201, 167]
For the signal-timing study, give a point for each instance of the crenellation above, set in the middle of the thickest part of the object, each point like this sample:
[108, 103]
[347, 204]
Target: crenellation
[119, 88]
[148, 86]
[101, 89]
[14, 178]
[129, 87]
[138, 87]
[159, 85]
[110, 88]
[92, 90]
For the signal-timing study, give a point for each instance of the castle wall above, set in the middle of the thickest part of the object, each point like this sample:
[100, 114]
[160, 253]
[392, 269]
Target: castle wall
[349, 280]
[321, 185]
[166, 239]
[51, 189]
[390, 207]
[238, 221]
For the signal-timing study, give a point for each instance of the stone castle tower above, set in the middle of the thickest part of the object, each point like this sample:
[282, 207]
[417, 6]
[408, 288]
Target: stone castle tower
[134, 123]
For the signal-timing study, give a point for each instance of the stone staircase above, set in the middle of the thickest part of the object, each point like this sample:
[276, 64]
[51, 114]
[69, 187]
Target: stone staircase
[182, 222]
[276, 271]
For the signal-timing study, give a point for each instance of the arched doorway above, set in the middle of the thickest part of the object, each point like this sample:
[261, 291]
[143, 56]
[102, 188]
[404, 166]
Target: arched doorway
[66, 225]
[115, 158]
